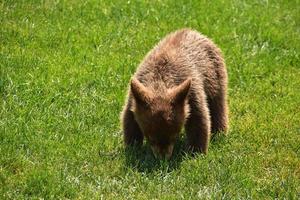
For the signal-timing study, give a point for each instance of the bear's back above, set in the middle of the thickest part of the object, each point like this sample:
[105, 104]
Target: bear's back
[181, 55]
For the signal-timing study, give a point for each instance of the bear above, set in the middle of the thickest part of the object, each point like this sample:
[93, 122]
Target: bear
[181, 82]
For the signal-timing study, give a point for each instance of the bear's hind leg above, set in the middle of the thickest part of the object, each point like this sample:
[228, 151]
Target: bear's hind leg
[219, 113]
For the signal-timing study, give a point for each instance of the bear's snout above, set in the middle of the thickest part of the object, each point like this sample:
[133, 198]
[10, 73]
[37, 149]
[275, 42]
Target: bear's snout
[162, 152]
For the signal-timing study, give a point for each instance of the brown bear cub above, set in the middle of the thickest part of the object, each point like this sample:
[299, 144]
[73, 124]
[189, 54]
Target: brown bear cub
[181, 82]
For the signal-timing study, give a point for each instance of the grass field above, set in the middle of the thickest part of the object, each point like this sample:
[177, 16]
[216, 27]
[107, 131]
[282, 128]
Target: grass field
[64, 71]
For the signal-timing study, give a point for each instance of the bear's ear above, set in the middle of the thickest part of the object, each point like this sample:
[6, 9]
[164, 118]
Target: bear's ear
[140, 93]
[179, 93]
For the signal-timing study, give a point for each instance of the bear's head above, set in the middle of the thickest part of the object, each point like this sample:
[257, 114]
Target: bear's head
[160, 114]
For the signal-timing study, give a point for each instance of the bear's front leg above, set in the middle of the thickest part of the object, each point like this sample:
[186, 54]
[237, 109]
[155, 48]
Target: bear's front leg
[198, 124]
[132, 132]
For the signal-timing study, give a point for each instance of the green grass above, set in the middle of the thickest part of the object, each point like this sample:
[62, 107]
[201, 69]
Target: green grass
[64, 70]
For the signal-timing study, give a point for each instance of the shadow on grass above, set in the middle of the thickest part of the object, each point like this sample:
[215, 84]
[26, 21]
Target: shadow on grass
[217, 139]
[142, 158]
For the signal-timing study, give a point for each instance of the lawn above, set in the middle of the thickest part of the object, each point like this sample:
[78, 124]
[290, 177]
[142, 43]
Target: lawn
[64, 72]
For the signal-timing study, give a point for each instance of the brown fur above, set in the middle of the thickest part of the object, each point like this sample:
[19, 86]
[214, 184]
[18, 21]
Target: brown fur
[182, 81]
